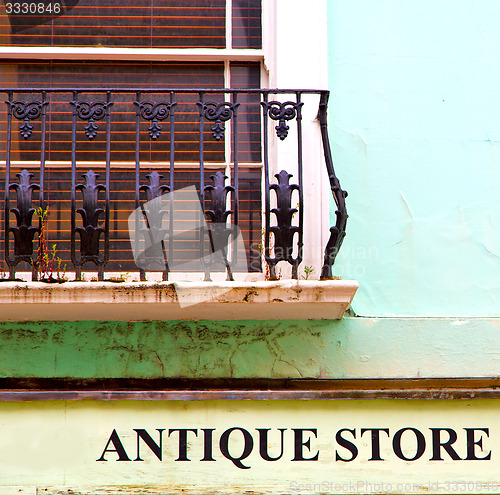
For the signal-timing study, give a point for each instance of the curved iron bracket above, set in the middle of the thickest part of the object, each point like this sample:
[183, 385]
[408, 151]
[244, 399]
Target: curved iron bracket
[337, 232]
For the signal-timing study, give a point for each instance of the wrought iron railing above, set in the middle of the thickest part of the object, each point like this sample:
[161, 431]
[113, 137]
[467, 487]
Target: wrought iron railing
[66, 122]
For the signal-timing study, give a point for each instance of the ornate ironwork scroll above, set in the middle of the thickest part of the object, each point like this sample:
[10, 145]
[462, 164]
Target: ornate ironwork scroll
[282, 112]
[91, 112]
[154, 113]
[218, 113]
[284, 232]
[337, 232]
[26, 111]
[219, 232]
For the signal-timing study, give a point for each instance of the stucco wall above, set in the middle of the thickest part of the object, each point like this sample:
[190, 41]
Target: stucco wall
[415, 124]
[351, 348]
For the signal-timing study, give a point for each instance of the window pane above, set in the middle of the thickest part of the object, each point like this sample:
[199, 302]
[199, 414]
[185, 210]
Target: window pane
[136, 75]
[247, 76]
[246, 19]
[124, 23]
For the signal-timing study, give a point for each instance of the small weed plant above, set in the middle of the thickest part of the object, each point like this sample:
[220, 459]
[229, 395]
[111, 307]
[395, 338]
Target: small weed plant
[307, 272]
[49, 266]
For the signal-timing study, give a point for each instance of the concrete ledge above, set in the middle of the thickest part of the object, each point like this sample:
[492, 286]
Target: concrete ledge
[143, 301]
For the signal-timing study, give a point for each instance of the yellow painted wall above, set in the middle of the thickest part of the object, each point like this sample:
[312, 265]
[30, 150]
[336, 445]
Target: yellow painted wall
[55, 445]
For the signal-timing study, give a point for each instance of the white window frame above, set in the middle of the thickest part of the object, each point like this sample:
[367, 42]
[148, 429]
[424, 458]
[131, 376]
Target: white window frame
[293, 55]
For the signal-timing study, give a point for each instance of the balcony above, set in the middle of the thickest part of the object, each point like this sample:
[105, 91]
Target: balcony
[102, 182]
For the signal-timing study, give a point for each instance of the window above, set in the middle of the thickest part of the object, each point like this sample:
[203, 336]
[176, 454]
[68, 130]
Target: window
[134, 47]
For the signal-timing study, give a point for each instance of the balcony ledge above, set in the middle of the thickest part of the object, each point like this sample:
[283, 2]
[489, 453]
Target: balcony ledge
[156, 301]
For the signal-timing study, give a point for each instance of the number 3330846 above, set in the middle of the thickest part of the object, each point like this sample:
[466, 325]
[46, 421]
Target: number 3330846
[33, 8]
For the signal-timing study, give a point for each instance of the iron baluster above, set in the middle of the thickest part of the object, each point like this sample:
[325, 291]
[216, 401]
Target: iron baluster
[74, 260]
[284, 232]
[171, 180]
[267, 212]
[91, 232]
[300, 243]
[7, 187]
[23, 231]
[154, 113]
[201, 230]
[42, 153]
[42, 180]
[337, 232]
[142, 273]
[235, 194]
[219, 113]
[108, 187]
[137, 142]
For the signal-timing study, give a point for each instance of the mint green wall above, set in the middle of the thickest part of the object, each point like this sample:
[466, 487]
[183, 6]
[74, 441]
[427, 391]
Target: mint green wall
[415, 125]
[415, 128]
[351, 348]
